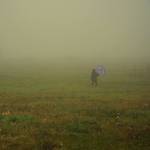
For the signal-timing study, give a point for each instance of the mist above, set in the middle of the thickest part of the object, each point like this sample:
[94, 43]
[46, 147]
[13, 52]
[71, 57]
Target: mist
[79, 31]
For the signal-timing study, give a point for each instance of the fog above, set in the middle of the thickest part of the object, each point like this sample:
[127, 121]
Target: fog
[74, 31]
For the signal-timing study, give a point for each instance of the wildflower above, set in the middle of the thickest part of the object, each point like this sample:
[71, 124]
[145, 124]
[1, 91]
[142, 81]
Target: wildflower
[146, 105]
[6, 113]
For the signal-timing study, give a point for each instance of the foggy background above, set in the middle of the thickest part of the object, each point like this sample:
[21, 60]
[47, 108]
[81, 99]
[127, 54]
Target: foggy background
[73, 31]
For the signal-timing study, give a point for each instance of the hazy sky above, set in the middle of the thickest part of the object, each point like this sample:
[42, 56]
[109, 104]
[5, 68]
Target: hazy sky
[75, 28]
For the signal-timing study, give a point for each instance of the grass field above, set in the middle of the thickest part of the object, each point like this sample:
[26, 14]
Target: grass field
[57, 109]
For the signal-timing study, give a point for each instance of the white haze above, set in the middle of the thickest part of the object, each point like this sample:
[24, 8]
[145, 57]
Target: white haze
[74, 30]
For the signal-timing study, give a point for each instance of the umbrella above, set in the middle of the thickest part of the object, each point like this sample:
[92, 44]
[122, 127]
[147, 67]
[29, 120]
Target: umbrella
[100, 70]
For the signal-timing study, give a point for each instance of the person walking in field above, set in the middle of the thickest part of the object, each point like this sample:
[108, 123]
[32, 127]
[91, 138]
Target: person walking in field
[94, 76]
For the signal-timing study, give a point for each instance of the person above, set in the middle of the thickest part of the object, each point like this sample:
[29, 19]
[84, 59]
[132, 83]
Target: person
[94, 76]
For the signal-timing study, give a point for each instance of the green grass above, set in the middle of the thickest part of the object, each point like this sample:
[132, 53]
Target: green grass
[15, 118]
[51, 109]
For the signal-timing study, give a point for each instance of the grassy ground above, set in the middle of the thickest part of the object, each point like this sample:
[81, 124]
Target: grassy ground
[59, 110]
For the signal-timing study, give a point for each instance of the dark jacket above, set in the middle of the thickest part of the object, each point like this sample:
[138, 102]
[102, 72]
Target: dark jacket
[94, 75]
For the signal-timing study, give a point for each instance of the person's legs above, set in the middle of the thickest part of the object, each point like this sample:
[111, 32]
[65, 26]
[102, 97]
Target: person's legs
[96, 83]
[92, 83]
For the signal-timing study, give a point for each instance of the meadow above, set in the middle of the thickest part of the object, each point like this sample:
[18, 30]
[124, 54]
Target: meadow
[56, 108]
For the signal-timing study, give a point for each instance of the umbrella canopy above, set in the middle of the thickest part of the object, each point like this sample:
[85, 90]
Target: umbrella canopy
[100, 70]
